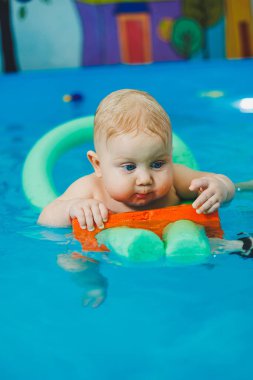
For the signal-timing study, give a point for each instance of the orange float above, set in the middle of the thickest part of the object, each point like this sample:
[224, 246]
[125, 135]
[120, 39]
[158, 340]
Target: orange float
[152, 220]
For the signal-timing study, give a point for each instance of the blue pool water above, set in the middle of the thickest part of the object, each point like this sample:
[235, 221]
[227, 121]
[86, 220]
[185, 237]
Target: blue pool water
[155, 323]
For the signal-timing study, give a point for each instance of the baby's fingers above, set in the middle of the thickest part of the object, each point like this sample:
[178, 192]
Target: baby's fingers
[89, 218]
[202, 198]
[198, 183]
[79, 214]
[209, 206]
[97, 216]
[104, 212]
[213, 208]
[100, 214]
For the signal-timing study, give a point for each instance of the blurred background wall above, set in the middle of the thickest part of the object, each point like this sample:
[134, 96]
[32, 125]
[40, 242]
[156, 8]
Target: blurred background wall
[44, 34]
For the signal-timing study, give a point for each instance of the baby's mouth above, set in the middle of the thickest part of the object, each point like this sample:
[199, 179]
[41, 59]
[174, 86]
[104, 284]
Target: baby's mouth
[142, 195]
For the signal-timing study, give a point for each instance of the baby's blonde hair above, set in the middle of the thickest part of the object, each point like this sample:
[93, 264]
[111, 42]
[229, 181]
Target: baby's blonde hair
[131, 111]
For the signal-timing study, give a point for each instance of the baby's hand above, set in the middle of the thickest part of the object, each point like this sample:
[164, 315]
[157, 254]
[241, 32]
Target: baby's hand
[213, 192]
[89, 212]
[94, 297]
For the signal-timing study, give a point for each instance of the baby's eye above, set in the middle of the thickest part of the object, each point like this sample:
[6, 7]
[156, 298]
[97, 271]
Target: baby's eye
[157, 164]
[129, 167]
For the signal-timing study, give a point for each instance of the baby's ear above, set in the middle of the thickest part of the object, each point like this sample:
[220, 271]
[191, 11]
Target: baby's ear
[94, 160]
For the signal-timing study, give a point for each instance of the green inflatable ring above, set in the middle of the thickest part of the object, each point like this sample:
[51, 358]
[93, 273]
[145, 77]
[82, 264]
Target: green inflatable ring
[37, 178]
[39, 188]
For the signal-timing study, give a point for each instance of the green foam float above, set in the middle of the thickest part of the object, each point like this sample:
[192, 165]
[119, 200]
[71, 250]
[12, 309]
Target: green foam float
[39, 189]
[134, 244]
[186, 243]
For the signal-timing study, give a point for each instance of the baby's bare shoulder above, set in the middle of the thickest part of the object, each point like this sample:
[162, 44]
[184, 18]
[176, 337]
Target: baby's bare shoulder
[87, 180]
[84, 187]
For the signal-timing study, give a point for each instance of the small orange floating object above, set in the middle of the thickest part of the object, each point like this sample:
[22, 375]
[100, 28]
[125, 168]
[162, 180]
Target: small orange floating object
[152, 220]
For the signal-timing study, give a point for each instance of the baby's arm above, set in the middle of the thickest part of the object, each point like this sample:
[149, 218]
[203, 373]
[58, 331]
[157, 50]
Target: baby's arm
[209, 189]
[79, 201]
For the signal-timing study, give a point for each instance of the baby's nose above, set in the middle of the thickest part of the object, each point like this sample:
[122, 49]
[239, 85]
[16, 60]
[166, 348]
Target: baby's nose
[144, 178]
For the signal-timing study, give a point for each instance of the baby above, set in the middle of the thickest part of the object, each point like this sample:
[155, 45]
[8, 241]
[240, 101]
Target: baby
[133, 168]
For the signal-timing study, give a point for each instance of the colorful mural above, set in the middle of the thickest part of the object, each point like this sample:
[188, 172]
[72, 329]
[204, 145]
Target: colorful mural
[9, 61]
[149, 31]
[125, 31]
[239, 28]
[128, 31]
[134, 32]
[7, 36]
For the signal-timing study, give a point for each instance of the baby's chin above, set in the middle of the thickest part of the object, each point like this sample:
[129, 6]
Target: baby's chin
[140, 204]
[132, 205]
[142, 201]
[149, 202]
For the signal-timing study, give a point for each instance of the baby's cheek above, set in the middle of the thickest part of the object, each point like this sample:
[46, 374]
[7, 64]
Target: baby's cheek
[166, 182]
[120, 196]
[118, 190]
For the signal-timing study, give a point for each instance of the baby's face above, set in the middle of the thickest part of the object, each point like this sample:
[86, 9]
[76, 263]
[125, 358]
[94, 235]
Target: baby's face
[136, 169]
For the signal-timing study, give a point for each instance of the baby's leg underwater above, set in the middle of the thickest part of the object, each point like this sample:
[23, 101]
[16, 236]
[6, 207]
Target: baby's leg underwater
[243, 246]
[247, 185]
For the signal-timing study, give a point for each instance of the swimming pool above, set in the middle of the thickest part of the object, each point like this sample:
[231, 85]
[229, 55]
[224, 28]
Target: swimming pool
[155, 323]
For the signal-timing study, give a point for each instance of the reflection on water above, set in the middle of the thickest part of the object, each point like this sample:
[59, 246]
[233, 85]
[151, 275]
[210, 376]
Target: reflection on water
[84, 268]
[85, 273]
